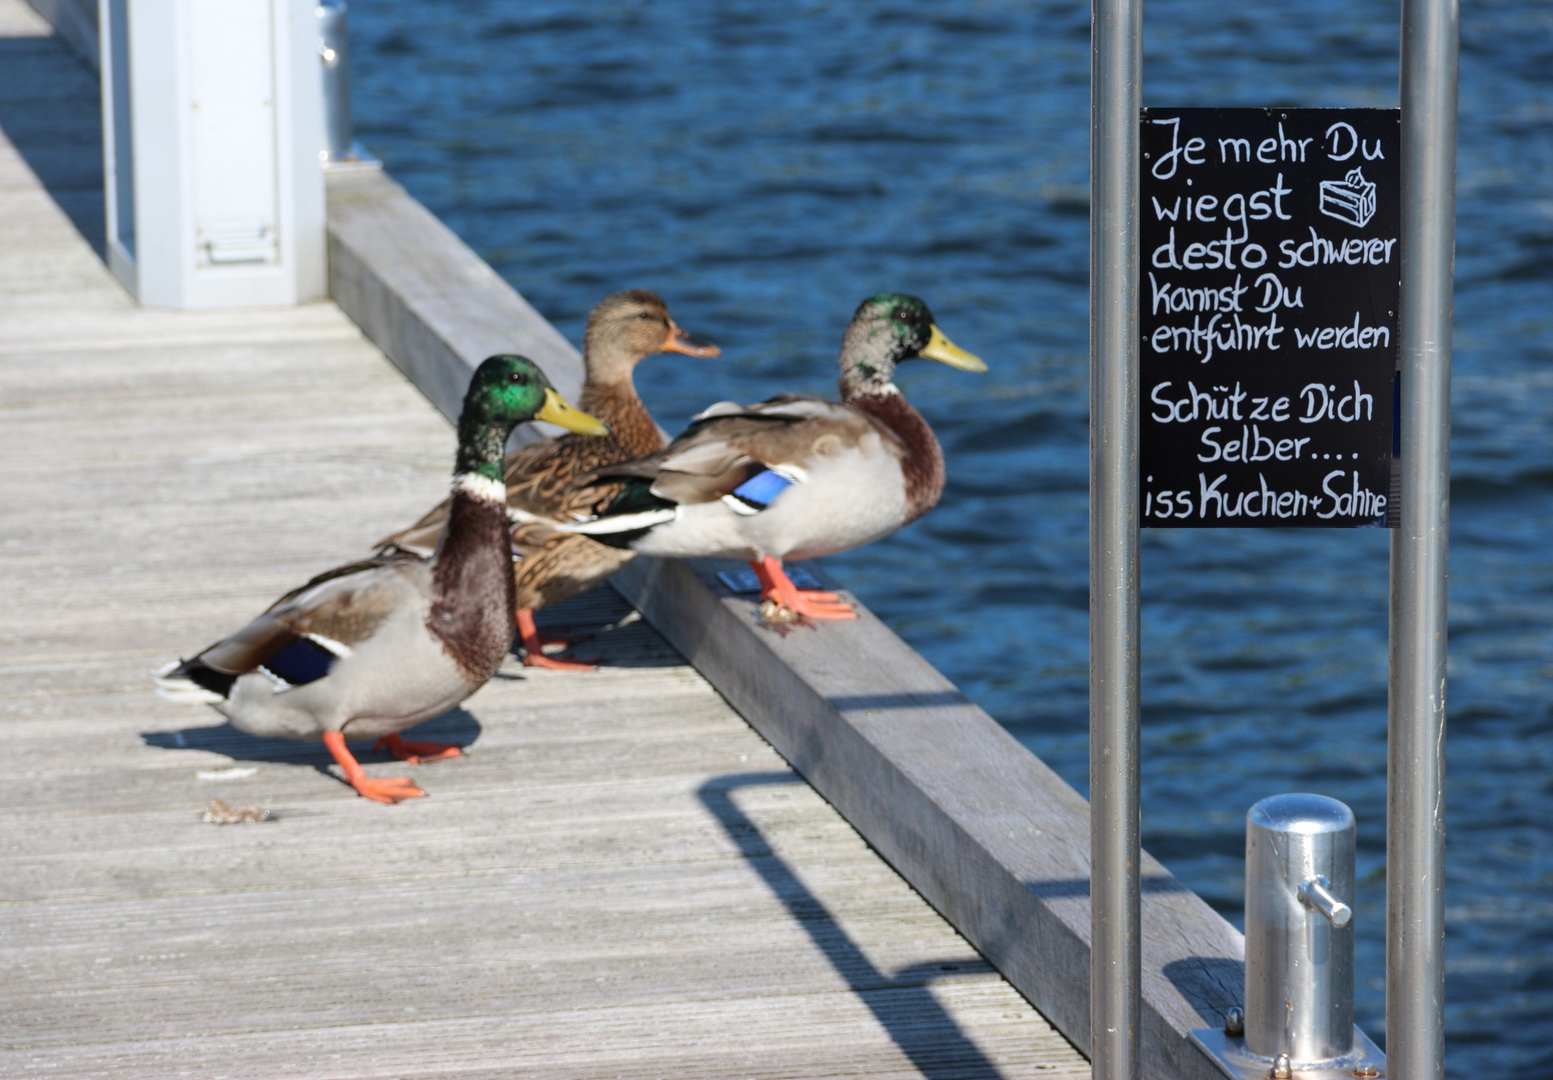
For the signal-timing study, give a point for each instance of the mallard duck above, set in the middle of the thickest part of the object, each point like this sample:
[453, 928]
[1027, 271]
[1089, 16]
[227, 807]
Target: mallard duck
[551, 566]
[370, 648]
[795, 477]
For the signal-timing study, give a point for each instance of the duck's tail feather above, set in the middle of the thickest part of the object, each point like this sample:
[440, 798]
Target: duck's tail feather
[600, 528]
[189, 682]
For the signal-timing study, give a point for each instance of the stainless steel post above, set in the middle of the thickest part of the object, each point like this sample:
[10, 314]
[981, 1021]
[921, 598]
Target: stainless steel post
[1116, 80]
[1299, 929]
[1415, 820]
[334, 51]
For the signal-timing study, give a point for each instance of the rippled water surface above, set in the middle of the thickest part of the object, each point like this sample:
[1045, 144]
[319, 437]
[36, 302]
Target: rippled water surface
[766, 166]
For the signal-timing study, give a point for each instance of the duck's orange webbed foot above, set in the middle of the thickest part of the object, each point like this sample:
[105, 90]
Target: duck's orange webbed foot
[390, 789]
[534, 647]
[535, 658]
[417, 751]
[777, 588]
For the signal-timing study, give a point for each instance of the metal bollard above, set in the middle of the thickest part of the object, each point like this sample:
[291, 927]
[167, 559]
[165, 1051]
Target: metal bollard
[1299, 929]
[1297, 1023]
[340, 147]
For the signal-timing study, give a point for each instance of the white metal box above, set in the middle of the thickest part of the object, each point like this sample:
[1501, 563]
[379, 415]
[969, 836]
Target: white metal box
[212, 128]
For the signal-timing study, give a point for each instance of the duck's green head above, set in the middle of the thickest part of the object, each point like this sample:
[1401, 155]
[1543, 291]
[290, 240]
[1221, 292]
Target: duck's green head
[505, 392]
[886, 329]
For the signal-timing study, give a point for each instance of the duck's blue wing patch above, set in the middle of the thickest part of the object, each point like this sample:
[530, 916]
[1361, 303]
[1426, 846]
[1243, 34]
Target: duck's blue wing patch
[761, 489]
[301, 662]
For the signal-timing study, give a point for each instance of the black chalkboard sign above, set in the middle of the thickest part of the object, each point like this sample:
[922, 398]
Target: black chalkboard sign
[1269, 278]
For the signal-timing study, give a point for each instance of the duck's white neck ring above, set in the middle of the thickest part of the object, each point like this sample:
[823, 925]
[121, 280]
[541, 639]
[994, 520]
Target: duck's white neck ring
[482, 488]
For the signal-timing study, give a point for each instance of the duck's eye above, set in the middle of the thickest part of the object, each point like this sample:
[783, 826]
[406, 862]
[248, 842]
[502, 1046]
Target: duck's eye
[644, 315]
[518, 377]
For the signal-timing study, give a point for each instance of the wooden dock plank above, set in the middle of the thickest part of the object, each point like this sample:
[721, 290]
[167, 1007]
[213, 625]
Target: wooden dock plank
[621, 880]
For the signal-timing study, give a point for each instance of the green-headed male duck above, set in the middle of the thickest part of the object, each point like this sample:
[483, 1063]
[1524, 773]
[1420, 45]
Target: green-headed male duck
[370, 648]
[795, 477]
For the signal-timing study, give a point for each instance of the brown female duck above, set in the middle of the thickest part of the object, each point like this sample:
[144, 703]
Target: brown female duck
[550, 566]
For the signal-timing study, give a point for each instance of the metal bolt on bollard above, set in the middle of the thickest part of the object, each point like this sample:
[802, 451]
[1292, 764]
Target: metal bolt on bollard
[1235, 1022]
[1297, 1021]
[340, 148]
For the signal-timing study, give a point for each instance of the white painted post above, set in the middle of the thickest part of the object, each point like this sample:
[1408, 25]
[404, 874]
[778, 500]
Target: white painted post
[212, 129]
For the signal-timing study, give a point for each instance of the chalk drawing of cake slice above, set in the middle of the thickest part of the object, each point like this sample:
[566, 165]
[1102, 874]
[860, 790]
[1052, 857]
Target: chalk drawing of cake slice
[1351, 199]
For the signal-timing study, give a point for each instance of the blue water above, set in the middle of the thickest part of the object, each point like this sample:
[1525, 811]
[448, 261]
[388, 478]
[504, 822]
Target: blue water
[766, 166]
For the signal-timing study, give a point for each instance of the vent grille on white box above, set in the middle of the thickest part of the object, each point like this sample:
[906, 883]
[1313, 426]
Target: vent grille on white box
[238, 242]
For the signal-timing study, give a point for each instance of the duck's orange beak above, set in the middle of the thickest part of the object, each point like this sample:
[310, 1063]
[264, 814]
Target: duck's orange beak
[681, 342]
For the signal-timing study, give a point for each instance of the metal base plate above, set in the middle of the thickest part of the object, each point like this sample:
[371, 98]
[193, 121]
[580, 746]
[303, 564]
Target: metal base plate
[1229, 1054]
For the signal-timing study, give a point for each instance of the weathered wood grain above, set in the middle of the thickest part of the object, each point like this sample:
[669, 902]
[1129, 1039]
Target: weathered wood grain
[620, 879]
[983, 829]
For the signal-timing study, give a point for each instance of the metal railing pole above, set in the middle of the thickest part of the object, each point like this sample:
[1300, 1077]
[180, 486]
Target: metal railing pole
[1415, 820]
[334, 52]
[1116, 97]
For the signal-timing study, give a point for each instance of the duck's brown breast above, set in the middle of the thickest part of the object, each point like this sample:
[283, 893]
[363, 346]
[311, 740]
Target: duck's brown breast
[473, 599]
[922, 464]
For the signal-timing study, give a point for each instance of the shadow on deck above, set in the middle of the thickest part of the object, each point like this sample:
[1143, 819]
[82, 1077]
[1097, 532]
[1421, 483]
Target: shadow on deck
[58, 134]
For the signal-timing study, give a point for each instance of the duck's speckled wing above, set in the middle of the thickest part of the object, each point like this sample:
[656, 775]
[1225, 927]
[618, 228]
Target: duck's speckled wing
[728, 444]
[336, 610]
[543, 477]
[552, 565]
[528, 481]
[534, 475]
[421, 538]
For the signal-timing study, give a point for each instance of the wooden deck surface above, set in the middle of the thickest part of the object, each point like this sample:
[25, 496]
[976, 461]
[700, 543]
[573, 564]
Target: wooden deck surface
[621, 880]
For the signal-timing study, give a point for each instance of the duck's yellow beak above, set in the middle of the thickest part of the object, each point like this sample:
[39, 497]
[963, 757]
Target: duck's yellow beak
[945, 351]
[557, 410]
[681, 342]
